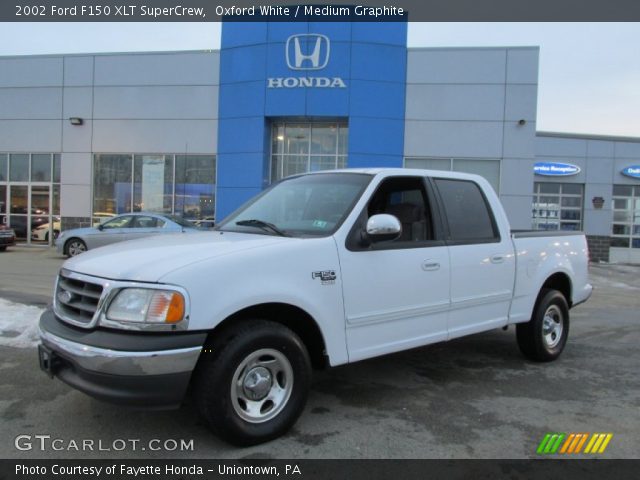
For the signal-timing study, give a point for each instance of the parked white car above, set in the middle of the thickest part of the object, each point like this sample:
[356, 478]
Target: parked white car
[319, 270]
[41, 232]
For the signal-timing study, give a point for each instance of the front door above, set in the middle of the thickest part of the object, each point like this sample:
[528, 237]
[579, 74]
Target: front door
[111, 231]
[396, 293]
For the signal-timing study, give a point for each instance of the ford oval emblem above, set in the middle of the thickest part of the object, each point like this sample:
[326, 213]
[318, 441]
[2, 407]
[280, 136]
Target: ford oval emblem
[552, 169]
[633, 171]
[65, 296]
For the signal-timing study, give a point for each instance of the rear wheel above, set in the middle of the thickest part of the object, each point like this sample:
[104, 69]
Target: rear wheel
[75, 246]
[3, 248]
[253, 385]
[543, 338]
[55, 235]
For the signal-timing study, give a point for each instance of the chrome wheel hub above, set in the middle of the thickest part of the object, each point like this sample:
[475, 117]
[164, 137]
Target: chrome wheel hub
[262, 385]
[552, 326]
[257, 383]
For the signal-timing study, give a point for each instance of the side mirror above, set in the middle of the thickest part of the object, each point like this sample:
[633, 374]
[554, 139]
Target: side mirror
[100, 227]
[383, 227]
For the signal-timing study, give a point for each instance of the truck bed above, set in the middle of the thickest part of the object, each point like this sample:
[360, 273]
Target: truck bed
[544, 233]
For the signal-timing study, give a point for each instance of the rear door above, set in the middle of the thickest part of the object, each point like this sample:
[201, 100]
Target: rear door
[396, 293]
[482, 261]
[144, 225]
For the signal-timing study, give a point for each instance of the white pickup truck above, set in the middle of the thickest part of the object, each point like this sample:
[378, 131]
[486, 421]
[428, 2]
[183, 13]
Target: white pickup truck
[319, 270]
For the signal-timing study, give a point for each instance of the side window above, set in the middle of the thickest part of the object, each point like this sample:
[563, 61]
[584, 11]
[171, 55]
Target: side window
[467, 213]
[118, 222]
[141, 221]
[405, 198]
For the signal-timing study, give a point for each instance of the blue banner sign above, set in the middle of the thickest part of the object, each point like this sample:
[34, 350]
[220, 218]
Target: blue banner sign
[632, 171]
[552, 169]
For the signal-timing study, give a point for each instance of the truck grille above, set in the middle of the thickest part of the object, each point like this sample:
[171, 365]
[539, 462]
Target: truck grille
[76, 300]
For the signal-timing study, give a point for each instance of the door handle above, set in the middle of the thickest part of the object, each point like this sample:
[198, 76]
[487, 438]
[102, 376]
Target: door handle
[497, 259]
[430, 265]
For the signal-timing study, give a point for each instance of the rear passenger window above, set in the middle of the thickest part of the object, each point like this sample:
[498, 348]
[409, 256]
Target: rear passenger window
[468, 214]
[147, 222]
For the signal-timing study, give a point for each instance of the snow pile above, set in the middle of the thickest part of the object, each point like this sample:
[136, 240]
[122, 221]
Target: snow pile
[18, 324]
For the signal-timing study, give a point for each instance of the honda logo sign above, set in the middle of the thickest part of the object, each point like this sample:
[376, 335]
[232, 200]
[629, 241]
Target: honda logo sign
[307, 51]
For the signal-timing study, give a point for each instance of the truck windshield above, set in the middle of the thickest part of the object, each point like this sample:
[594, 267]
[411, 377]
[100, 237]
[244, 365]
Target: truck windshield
[308, 205]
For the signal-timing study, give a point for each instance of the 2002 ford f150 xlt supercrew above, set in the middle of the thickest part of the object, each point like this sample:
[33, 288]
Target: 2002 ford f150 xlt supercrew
[319, 270]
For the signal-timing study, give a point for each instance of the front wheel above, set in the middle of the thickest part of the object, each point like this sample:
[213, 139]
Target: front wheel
[543, 338]
[74, 247]
[252, 386]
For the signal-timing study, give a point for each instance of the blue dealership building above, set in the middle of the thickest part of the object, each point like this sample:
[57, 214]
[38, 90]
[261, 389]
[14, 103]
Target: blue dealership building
[197, 133]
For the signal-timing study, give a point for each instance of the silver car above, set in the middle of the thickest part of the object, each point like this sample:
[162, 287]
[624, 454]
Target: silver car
[128, 226]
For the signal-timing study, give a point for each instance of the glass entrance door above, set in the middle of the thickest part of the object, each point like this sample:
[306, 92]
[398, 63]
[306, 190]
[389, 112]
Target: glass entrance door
[41, 227]
[19, 210]
[30, 213]
[30, 195]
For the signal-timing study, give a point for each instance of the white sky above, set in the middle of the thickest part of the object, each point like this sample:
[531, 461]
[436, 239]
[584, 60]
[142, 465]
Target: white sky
[589, 72]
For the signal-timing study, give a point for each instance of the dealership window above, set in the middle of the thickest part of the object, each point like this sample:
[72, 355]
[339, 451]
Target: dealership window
[489, 169]
[30, 195]
[557, 206]
[626, 216]
[307, 147]
[183, 185]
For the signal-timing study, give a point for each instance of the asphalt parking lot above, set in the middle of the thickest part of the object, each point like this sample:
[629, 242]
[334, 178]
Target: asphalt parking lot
[475, 397]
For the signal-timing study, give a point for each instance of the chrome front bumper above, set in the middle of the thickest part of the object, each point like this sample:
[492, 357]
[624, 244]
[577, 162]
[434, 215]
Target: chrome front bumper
[144, 370]
[117, 362]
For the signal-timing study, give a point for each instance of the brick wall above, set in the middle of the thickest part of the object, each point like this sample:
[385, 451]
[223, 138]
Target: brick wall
[598, 248]
[75, 222]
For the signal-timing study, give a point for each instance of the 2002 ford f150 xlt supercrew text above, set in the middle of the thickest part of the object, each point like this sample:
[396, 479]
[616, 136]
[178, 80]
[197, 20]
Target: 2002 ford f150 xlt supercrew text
[319, 270]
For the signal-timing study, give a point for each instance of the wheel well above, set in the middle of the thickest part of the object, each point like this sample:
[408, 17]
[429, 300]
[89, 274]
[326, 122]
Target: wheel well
[294, 318]
[560, 282]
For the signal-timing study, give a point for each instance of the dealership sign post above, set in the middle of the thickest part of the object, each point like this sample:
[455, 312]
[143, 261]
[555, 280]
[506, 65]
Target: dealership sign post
[552, 169]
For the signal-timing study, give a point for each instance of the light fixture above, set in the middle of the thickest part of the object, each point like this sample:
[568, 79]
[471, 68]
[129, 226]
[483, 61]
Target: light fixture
[76, 121]
[522, 121]
[598, 203]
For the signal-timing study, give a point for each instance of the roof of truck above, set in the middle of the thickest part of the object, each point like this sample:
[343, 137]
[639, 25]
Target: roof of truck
[404, 171]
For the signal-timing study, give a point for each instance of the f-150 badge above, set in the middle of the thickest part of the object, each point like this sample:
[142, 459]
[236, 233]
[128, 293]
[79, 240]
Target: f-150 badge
[327, 277]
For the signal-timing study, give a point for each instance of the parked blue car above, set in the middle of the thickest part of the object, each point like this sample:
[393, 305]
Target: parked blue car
[128, 226]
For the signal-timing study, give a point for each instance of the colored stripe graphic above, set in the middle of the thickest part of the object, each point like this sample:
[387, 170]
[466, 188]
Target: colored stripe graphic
[572, 443]
[582, 442]
[550, 443]
[598, 443]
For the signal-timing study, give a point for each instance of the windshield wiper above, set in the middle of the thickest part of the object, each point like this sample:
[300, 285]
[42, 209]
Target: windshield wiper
[254, 222]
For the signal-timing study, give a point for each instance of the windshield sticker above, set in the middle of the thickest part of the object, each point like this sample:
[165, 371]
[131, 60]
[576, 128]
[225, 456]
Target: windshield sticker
[319, 223]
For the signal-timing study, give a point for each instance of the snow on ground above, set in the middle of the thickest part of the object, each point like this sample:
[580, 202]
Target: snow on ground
[18, 324]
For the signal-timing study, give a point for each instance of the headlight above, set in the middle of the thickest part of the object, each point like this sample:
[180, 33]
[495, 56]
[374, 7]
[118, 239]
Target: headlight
[147, 306]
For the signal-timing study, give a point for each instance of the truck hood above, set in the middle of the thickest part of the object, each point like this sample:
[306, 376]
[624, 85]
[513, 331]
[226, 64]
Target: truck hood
[149, 259]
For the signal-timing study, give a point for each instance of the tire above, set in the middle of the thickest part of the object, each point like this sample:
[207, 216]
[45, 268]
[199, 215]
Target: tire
[543, 338]
[55, 235]
[3, 248]
[74, 246]
[254, 385]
